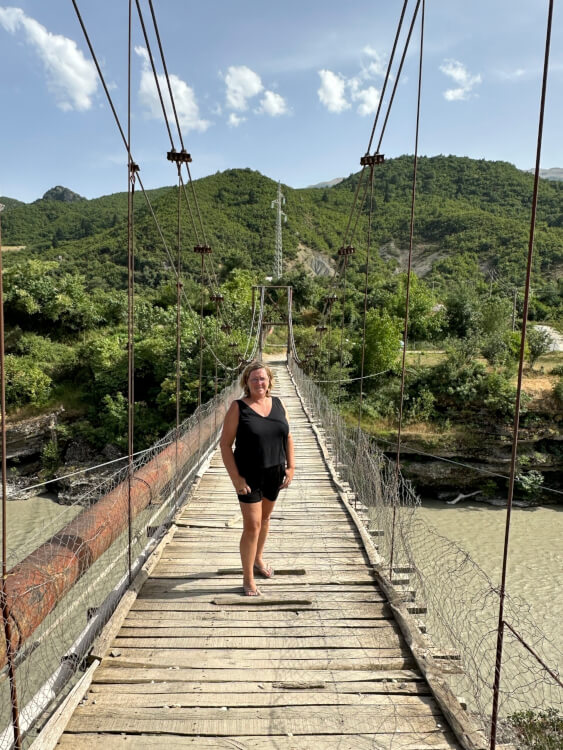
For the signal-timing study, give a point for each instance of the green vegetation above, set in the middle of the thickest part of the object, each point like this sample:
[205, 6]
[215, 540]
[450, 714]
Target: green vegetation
[538, 730]
[66, 301]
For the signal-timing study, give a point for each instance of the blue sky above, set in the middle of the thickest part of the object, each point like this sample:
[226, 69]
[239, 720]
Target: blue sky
[288, 89]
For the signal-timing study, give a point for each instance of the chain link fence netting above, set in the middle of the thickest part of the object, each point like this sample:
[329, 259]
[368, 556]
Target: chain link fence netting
[459, 600]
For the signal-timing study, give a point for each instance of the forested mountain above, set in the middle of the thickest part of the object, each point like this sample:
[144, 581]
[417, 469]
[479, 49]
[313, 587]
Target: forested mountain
[473, 214]
[65, 286]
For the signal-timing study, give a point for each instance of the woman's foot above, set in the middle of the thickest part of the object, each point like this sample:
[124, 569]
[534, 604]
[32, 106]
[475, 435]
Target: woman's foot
[263, 569]
[251, 590]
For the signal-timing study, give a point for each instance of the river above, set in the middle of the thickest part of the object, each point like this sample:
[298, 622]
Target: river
[535, 562]
[31, 522]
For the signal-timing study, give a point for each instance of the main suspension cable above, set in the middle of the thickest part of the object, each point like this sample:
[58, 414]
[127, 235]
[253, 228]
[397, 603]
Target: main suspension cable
[409, 274]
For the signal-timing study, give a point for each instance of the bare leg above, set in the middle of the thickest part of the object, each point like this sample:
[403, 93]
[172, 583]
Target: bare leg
[252, 522]
[267, 510]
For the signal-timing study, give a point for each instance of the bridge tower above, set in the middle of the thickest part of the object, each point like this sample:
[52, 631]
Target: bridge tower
[278, 250]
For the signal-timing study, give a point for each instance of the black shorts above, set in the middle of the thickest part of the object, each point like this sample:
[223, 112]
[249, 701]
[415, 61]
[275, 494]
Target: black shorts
[263, 483]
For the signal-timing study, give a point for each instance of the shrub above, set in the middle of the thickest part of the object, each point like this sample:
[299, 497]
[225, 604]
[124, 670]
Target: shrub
[26, 383]
[539, 342]
[530, 485]
[538, 730]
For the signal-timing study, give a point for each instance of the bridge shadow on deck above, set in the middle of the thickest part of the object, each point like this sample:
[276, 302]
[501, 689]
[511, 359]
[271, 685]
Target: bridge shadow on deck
[316, 662]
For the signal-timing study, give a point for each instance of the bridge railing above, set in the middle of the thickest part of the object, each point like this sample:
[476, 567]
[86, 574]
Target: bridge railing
[61, 592]
[457, 600]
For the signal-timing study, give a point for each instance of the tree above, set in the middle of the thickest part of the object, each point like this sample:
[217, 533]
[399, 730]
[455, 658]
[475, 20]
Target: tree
[539, 342]
[463, 313]
[426, 317]
[383, 337]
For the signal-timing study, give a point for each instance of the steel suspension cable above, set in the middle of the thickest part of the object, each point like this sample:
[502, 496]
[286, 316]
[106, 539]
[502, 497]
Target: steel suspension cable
[342, 326]
[366, 287]
[165, 67]
[387, 75]
[517, 406]
[163, 107]
[403, 57]
[153, 66]
[409, 275]
[359, 208]
[178, 327]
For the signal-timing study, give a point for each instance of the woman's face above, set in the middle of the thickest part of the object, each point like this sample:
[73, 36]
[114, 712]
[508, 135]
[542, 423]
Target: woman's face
[258, 382]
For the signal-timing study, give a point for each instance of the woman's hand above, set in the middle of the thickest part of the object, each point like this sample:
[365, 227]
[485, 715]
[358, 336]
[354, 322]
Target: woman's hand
[241, 486]
[289, 472]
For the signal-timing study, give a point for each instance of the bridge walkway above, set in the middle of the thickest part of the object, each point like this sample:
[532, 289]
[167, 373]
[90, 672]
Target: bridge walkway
[316, 662]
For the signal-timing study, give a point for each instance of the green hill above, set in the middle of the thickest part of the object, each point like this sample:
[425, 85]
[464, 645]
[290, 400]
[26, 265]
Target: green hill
[475, 212]
[66, 302]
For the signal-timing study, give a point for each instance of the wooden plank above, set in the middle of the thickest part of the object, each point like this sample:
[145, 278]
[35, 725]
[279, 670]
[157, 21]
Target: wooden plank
[231, 699]
[275, 655]
[378, 687]
[238, 659]
[299, 720]
[120, 673]
[332, 609]
[380, 741]
[177, 629]
[380, 639]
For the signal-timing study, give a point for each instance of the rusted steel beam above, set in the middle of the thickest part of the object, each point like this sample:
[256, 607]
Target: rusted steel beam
[38, 583]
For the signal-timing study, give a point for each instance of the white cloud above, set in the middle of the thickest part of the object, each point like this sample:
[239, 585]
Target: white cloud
[513, 75]
[242, 84]
[71, 78]
[336, 90]
[461, 76]
[273, 104]
[235, 120]
[184, 97]
[368, 98]
[332, 91]
[375, 65]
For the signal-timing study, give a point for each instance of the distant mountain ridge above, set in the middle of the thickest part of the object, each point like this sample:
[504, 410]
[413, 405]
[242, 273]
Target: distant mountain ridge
[330, 183]
[62, 194]
[554, 173]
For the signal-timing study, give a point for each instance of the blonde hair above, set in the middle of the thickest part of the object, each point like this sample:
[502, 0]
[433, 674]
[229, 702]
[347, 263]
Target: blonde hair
[255, 365]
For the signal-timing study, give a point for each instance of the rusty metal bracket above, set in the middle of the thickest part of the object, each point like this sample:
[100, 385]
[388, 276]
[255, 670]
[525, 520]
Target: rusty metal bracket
[179, 157]
[369, 160]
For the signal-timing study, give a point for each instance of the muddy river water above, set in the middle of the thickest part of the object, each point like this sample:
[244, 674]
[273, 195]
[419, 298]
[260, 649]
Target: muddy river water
[535, 562]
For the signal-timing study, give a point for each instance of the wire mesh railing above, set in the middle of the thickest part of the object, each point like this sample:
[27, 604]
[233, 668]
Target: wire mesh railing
[459, 599]
[60, 592]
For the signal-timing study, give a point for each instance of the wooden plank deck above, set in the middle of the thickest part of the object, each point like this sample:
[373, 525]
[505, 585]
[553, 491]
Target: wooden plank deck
[316, 662]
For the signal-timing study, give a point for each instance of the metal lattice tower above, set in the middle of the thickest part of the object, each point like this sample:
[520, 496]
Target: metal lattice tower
[278, 251]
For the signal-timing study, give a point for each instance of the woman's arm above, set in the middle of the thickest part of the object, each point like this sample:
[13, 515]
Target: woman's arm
[290, 457]
[228, 436]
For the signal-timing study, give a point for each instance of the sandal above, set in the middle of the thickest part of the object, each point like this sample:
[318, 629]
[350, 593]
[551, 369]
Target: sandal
[266, 571]
[249, 591]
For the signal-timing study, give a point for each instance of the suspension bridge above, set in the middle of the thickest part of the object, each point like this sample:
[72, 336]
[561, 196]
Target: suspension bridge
[318, 660]
[375, 631]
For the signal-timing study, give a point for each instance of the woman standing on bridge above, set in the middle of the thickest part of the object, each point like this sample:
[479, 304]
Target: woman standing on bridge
[261, 465]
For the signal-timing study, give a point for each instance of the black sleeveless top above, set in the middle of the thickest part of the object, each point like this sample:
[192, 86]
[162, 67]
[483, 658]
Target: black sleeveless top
[260, 441]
